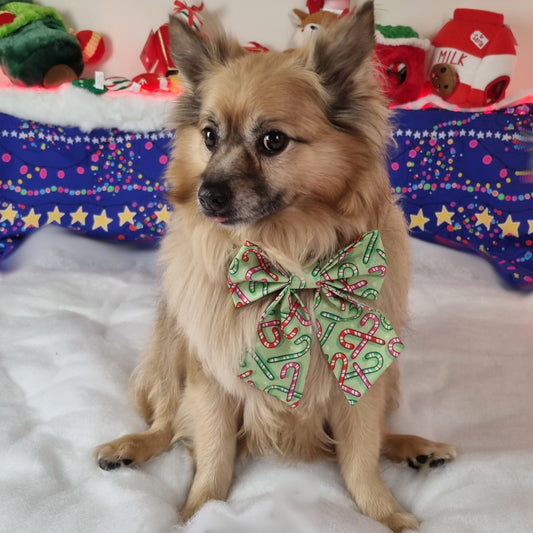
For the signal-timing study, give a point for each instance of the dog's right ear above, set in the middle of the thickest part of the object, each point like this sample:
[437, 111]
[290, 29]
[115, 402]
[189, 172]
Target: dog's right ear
[194, 53]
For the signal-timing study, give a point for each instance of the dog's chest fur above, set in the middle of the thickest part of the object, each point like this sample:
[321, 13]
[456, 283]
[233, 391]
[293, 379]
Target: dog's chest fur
[196, 292]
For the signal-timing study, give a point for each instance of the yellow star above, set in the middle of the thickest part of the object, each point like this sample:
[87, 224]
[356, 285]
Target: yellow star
[485, 219]
[31, 220]
[101, 220]
[509, 227]
[78, 216]
[126, 216]
[530, 230]
[163, 215]
[8, 214]
[55, 216]
[418, 220]
[444, 216]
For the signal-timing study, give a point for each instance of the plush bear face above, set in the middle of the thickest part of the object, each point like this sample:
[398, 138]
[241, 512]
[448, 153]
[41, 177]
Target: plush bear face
[443, 78]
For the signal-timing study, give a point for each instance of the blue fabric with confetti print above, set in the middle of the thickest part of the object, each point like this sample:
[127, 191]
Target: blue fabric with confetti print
[106, 183]
[466, 181]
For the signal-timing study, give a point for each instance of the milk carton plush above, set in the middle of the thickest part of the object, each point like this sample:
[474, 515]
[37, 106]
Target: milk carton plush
[473, 58]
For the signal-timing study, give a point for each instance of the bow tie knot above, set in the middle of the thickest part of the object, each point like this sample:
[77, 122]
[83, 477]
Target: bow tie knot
[305, 282]
[347, 329]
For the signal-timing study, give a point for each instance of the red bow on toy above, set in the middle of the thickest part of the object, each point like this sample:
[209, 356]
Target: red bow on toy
[190, 13]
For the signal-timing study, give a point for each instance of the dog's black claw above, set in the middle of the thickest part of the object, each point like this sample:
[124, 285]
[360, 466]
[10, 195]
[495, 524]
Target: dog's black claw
[436, 463]
[127, 462]
[422, 459]
[106, 464]
[412, 464]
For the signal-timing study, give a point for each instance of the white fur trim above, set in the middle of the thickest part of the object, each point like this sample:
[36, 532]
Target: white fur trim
[71, 106]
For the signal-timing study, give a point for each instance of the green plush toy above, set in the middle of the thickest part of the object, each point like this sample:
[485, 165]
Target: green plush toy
[35, 46]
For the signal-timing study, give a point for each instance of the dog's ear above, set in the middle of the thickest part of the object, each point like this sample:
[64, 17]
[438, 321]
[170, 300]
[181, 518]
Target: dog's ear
[194, 53]
[339, 51]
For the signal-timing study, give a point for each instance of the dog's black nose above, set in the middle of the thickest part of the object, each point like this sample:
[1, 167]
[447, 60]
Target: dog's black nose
[214, 197]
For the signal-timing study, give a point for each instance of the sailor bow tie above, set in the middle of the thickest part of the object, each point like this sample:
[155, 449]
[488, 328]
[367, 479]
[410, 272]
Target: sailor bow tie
[358, 342]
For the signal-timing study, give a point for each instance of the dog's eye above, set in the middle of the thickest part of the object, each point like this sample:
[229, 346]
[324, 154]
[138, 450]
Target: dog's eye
[210, 138]
[273, 142]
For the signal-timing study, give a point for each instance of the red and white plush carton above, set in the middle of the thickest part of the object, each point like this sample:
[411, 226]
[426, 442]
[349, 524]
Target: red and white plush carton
[473, 58]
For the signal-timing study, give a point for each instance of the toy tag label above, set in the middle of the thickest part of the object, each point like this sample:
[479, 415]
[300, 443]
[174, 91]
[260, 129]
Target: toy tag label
[99, 79]
[479, 39]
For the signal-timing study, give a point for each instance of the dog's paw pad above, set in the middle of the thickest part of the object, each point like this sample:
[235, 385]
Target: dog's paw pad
[106, 463]
[431, 460]
[437, 462]
[414, 464]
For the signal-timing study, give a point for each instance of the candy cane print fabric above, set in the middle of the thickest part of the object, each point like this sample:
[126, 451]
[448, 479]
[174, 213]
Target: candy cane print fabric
[358, 342]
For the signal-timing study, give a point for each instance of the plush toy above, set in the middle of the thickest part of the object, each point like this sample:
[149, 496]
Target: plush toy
[401, 54]
[473, 59]
[35, 46]
[319, 13]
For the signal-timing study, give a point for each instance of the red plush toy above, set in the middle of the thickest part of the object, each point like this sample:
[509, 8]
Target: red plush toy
[400, 54]
[473, 58]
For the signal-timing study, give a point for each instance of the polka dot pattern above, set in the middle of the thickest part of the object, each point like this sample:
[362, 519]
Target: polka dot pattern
[106, 183]
[466, 180]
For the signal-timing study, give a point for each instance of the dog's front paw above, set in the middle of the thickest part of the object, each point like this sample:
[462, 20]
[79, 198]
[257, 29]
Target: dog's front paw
[105, 463]
[110, 456]
[401, 521]
[132, 449]
[186, 513]
[417, 452]
[192, 505]
[438, 456]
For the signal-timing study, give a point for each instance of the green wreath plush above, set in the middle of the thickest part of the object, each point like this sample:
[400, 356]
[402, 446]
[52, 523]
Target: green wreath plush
[35, 46]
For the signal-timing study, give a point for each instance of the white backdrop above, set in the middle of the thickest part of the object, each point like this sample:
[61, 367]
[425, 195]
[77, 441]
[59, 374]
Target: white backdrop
[269, 22]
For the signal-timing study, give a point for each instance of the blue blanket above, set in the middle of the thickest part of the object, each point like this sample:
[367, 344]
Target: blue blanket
[465, 180]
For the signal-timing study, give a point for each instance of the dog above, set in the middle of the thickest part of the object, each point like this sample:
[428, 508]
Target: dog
[285, 152]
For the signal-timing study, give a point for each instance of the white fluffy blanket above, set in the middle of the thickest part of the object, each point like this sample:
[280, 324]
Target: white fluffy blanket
[74, 318]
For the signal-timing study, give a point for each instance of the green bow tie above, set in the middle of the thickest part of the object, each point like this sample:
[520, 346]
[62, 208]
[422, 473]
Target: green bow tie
[358, 342]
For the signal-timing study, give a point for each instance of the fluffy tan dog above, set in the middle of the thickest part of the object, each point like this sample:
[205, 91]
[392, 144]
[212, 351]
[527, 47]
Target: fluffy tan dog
[286, 151]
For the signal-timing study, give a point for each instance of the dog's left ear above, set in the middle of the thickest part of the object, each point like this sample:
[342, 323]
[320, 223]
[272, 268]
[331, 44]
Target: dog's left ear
[340, 50]
[194, 53]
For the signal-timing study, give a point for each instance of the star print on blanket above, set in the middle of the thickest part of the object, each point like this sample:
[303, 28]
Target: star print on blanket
[466, 180]
[106, 183]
